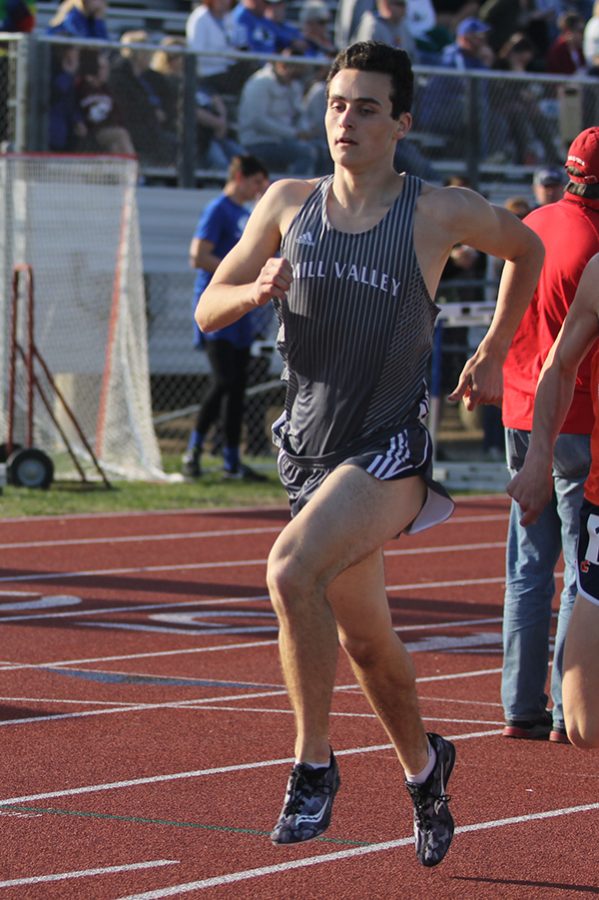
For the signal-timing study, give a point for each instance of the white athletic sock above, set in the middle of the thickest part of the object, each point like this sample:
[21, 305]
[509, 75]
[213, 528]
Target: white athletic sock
[421, 777]
[312, 765]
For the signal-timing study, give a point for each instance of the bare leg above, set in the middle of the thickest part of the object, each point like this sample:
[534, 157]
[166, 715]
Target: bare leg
[379, 659]
[326, 573]
[581, 675]
[346, 523]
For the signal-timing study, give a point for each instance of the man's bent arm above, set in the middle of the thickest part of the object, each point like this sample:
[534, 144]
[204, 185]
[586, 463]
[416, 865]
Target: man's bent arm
[249, 275]
[495, 230]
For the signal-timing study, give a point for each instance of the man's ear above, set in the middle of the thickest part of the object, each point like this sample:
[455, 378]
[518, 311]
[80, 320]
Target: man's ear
[404, 124]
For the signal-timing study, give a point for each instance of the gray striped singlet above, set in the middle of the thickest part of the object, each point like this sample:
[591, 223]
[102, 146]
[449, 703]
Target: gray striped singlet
[355, 332]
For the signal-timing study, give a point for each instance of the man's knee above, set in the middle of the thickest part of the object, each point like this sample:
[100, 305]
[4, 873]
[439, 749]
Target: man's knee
[376, 650]
[291, 584]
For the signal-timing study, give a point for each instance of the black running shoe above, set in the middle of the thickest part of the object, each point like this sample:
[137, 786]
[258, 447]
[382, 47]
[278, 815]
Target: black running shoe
[243, 473]
[308, 803]
[537, 729]
[191, 467]
[433, 823]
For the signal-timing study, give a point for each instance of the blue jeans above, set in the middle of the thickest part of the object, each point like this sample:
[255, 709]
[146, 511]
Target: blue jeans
[292, 156]
[532, 554]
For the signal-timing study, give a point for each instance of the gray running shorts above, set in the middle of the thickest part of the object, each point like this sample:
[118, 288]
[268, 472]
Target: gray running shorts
[407, 453]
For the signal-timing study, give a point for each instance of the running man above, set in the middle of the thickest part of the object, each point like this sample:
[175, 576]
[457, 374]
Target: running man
[532, 489]
[361, 254]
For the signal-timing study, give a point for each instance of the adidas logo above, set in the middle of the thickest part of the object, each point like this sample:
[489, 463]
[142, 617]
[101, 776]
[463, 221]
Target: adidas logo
[305, 238]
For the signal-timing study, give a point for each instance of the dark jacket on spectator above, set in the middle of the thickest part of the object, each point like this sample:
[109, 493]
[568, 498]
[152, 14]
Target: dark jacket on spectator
[140, 104]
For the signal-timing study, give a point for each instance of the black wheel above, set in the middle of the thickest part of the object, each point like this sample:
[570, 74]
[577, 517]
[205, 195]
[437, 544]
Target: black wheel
[29, 467]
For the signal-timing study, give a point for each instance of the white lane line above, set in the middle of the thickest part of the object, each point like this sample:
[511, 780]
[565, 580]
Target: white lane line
[86, 873]
[55, 613]
[250, 645]
[228, 563]
[463, 504]
[135, 607]
[346, 715]
[200, 702]
[7, 666]
[383, 846]
[203, 773]
[135, 570]
[192, 535]
[141, 538]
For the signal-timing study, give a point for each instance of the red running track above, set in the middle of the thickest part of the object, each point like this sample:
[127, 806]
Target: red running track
[146, 734]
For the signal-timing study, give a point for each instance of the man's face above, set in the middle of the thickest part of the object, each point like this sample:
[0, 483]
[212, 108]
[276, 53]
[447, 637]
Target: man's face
[359, 125]
[548, 193]
[252, 186]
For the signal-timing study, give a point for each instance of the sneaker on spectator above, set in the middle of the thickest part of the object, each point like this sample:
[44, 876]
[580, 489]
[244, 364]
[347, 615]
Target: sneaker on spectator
[529, 729]
[433, 822]
[191, 467]
[308, 803]
[242, 472]
[559, 735]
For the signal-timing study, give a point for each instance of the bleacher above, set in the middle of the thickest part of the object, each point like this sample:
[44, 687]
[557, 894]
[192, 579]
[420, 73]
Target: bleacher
[154, 16]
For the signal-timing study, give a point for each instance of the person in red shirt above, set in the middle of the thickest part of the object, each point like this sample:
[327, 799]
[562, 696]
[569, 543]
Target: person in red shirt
[569, 230]
[565, 56]
[532, 489]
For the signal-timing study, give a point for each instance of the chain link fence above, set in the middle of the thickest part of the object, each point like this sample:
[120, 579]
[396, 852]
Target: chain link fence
[492, 128]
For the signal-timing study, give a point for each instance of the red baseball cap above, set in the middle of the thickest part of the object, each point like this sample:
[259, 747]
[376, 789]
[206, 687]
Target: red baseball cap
[582, 162]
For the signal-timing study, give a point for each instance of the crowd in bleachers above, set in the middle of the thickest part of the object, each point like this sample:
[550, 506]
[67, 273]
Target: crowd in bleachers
[130, 100]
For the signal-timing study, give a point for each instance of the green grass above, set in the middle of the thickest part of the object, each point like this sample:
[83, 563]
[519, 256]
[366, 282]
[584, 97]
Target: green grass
[209, 491]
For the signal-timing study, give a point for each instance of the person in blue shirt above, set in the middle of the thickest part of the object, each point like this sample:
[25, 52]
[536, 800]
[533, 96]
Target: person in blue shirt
[218, 230]
[252, 30]
[81, 19]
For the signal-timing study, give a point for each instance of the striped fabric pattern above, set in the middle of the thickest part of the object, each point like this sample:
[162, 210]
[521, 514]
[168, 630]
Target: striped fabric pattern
[356, 327]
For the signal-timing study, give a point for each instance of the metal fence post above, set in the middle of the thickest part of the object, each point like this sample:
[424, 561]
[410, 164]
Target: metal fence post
[186, 161]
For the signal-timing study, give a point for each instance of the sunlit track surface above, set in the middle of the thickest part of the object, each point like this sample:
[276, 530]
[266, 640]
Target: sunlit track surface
[147, 735]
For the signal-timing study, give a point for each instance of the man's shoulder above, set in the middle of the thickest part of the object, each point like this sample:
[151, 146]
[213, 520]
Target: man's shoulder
[285, 197]
[292, 191]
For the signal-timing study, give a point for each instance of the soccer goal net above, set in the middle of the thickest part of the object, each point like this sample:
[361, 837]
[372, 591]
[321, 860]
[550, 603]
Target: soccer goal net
[72, 220]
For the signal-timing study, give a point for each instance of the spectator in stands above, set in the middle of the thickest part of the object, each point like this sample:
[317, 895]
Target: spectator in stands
[215, 147]
[519, 206]
[590, 39]
[288, 35]
[140, 103]
[218, 230]
[536, 19]
[314, 108]
[252, 30]
[443, 107]
[101, 115]
[516, 106]
[347, 19]
[17, 16]
[208, 30]
[81, 19]
[387, 23]
[548, 185]
[315, 23]
[165, 77]
[565, 55]
[65, 120]
[271, 124]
